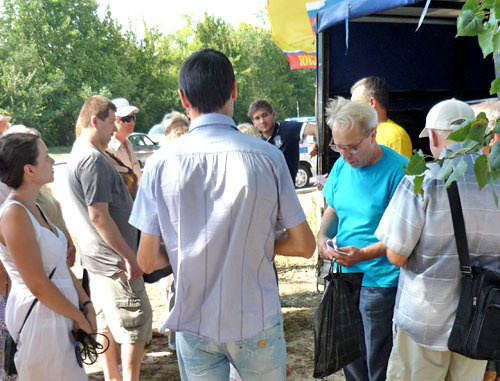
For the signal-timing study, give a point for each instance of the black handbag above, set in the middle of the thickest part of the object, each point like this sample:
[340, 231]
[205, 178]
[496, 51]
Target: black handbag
[336, 323]
[9, 346]
[476, 330]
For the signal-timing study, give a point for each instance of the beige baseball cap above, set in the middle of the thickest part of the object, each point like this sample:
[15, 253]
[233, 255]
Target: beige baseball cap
[447, 115]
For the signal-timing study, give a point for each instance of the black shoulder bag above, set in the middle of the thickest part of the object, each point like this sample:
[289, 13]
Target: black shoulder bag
[10, 346]
[476, 330]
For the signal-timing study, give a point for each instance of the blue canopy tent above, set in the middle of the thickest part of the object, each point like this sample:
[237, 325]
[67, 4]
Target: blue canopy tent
[421, 67]
[331, 12]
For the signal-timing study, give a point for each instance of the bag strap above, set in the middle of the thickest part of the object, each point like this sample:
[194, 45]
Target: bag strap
[45, 219]
[336, 266]
[33, 305]
[459, 229]
[119, 161]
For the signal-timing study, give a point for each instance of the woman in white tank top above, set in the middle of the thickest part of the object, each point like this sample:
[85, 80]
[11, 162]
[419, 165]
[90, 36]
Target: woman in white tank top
[31, 248]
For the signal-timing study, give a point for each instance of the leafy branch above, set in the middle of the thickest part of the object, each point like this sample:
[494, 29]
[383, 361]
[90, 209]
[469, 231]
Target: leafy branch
[475, 137]
[480, 18]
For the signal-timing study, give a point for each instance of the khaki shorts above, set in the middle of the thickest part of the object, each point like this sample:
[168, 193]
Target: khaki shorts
[122, 307]
[411, 362]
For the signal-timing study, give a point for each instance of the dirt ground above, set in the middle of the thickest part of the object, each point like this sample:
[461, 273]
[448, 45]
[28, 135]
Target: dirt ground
[299, 298]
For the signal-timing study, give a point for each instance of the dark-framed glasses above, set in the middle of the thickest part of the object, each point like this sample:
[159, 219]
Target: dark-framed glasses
[352, 149]
[127, 119]
[87, 348]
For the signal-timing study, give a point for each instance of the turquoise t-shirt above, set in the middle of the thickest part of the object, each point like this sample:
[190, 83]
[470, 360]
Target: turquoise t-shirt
[359, 197]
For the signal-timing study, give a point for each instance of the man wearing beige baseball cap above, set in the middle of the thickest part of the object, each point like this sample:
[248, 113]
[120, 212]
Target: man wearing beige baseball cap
[419, 236]
[4, 123]
[442, 119]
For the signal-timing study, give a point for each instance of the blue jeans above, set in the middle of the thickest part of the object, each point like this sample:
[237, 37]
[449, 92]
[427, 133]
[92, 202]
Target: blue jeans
[261, 357]
[376, 305]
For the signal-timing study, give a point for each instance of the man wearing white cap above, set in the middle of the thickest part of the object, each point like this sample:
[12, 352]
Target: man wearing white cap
[419, 236]
[119, 144]
[4, 123]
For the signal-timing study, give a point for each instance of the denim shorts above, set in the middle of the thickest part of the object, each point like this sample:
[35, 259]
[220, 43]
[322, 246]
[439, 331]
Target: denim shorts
[261, 357]
[122, 308]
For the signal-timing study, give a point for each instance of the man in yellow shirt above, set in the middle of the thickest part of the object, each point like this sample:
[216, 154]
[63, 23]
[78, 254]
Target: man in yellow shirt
[374, 90]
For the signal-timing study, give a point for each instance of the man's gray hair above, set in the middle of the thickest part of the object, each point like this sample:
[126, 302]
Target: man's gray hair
[342, 115]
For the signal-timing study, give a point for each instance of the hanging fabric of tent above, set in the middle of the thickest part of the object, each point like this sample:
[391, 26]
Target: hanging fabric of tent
[335, 11]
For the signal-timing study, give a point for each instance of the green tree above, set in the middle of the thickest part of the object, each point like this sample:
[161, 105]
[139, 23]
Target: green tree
[69, 52]
[263, 72]
[56, 53]
[155, 90]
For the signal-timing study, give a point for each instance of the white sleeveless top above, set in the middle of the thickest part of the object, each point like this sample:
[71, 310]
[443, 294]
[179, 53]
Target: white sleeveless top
[45, 347]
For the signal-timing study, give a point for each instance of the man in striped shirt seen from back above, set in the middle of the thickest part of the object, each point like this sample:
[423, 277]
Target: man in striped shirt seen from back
[417, 230]
[216, 197]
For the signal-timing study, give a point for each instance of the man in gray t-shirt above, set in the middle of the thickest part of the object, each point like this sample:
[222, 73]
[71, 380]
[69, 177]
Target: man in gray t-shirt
[92, 178]
[108, 243]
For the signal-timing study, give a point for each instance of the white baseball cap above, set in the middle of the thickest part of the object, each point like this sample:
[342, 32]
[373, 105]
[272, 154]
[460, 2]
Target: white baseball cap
[446, 116]
[5, 118]
[123, 107]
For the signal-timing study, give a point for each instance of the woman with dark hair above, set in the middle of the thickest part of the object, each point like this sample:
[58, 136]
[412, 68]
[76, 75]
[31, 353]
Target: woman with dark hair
[31, 248]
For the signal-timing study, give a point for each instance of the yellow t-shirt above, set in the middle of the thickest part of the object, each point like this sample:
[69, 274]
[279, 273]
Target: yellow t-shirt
[394, 136]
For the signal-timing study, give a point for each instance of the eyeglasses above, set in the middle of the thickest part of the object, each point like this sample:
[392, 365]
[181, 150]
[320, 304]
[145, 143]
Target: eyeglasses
[87, 348]
[352, 149]
[128, 118]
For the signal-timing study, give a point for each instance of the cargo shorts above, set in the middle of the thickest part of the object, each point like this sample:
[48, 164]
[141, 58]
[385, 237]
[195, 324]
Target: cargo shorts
[122, 307]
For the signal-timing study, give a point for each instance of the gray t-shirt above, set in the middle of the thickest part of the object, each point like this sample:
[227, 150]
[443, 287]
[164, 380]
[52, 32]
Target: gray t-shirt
[92, 178]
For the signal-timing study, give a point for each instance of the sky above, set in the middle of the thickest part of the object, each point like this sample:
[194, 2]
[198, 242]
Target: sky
[167, 14]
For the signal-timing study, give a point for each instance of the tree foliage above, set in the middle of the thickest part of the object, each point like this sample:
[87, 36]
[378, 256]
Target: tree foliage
[480, 18]
[56, 53]
[475, 138]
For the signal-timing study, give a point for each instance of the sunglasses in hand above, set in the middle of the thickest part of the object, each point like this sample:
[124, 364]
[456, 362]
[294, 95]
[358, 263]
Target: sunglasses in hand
[87, 348]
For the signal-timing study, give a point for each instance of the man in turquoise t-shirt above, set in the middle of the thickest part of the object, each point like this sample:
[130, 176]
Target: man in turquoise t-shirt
[358, 190]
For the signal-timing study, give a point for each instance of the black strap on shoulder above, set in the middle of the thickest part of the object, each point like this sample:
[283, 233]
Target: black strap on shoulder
[33, 304]
[459, 229]
[45, 219]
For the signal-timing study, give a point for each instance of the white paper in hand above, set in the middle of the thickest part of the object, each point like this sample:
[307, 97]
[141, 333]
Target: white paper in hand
[321, 179]
[332, 244]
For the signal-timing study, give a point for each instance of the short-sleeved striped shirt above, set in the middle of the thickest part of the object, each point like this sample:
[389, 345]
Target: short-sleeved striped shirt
[216, 195]
[421, 229]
